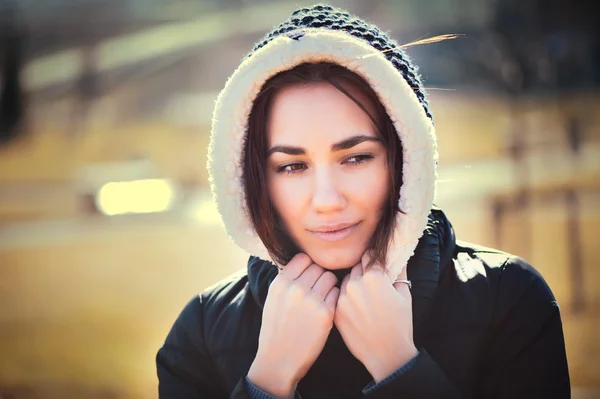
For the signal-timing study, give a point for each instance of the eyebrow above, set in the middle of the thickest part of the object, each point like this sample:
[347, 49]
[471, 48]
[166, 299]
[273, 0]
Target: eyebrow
[342, 145]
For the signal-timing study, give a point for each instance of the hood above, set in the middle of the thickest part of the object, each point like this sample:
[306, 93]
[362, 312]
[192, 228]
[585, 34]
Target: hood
[327, 34]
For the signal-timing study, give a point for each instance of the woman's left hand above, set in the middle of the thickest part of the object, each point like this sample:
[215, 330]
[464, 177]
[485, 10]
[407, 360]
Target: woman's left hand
[374, 318]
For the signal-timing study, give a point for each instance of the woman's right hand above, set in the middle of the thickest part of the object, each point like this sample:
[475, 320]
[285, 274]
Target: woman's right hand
[297, 318]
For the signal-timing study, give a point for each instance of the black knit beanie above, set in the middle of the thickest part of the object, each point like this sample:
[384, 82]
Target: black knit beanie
[329, 17]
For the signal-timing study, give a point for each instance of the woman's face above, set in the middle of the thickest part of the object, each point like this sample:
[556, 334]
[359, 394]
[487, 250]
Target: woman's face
[327, 171]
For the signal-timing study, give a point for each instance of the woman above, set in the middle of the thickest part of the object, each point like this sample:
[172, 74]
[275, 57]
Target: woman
[323, 164]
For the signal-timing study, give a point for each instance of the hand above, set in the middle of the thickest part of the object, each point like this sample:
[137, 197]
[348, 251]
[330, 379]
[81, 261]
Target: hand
[297, 318]
[374, 318]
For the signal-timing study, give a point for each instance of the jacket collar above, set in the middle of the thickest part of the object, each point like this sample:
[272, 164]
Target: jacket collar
[432, 257]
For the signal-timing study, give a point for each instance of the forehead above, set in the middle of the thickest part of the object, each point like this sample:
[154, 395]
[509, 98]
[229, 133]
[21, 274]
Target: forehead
[317, 113]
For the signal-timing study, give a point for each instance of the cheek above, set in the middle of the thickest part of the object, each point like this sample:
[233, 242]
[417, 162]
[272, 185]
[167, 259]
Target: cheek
[287, 197]
[370, 188]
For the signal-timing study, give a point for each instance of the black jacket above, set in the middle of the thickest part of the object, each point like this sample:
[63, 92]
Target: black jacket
[485, 322]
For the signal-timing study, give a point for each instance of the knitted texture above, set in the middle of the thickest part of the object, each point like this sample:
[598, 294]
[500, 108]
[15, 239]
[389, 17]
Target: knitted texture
[328, 17]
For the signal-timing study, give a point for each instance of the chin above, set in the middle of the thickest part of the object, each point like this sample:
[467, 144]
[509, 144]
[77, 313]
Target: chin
[336, 259]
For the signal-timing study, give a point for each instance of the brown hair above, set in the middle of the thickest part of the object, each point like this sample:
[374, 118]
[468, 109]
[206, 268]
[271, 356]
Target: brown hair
[265, 219]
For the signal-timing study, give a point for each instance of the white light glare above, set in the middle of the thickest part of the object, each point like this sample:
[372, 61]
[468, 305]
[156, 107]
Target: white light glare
[138, 196]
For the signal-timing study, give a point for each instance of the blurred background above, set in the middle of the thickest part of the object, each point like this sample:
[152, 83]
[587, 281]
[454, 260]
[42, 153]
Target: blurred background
[107, 227]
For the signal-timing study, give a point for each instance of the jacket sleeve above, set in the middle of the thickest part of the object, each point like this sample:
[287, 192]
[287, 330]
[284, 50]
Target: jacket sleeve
[257, 393]
[184, 367]
[424, 379]
[526, 355]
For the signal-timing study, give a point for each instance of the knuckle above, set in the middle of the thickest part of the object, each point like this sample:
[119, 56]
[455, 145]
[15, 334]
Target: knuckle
[330, 277]
[315, 305]
[301, 258]
[295, 292]
[316, 268]
[353, 288]
[371, 279]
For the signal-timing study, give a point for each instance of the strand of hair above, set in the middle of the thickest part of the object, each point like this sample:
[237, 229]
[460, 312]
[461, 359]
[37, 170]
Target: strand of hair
[429, 40]
[434, 39]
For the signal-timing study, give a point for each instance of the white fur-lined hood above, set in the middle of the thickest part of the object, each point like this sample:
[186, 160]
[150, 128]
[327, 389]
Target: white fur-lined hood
[414, 127]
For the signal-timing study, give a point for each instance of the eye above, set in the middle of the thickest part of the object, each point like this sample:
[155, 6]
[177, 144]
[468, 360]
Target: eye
[358, 159]
[291, 168]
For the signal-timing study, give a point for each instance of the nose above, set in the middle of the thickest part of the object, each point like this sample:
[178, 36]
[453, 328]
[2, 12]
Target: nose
[327, 196]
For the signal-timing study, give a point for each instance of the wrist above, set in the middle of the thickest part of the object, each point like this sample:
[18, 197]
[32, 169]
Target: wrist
[388, 366]
[272, 379]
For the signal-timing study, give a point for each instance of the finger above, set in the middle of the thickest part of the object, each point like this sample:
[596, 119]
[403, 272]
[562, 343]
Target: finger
[392, 276]
[357, 271]
[344, 284]
[403, 290]
[403, 274]
[310, 276]
[365, 259]
[332, 298]
[376, 267]
[295, 267]
[326, 281]
[402, 287]
[278, 265]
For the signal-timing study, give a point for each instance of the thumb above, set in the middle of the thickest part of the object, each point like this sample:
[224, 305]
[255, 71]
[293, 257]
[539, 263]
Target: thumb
[332, 298]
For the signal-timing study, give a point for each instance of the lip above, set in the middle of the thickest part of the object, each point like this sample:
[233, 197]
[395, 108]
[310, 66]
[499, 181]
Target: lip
[335, 232]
